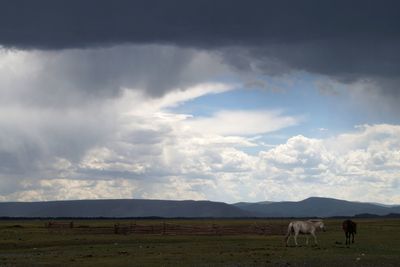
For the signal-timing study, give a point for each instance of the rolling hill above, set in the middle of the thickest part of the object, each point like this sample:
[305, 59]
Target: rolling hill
[316, 206]
[119, 208]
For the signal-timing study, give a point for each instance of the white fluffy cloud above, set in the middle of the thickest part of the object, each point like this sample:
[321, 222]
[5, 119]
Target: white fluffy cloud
[151, 145]
[155, 152]
[361, 165]
[243, 122]
[51, 189]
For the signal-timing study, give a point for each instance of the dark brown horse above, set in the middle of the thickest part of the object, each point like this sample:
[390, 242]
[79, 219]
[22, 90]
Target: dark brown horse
[350, 229]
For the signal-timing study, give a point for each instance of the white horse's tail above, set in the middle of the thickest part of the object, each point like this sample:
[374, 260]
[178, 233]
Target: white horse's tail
[289, 231]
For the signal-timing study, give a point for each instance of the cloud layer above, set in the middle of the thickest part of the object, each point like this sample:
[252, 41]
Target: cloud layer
[47, 24]
[349, 42]
[155, 152]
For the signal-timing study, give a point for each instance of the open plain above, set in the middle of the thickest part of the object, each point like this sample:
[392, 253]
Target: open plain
[95, 243]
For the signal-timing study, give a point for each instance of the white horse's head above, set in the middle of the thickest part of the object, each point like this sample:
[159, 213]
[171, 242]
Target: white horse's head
[321, 225]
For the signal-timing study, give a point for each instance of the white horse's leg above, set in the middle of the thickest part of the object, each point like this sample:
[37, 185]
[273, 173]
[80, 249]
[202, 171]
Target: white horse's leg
[295, 238]
[287, 238]
[288, 234]
[315, 238]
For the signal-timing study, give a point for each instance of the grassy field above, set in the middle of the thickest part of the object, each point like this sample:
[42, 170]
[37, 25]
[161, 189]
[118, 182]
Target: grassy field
[28, 243]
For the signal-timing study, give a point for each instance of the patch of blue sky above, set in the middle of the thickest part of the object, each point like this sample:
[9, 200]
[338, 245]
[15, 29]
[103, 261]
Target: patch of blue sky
[322, 113]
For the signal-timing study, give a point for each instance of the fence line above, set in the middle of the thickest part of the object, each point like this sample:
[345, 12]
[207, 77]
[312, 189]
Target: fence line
[59, 225]
[213, 229]
[172, 229]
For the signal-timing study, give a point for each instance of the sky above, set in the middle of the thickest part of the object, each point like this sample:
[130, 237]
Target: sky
[219, 100]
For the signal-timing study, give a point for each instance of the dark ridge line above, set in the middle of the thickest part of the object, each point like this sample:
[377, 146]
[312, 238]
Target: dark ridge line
[360, 216]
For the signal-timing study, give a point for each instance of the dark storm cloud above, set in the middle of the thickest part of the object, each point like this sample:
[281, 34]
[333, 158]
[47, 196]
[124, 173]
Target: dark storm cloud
[74, 77]
[74, 23]
[349, 40]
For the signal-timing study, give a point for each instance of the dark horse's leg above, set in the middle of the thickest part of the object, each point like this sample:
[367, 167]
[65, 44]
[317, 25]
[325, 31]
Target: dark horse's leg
[347, 237]
[353, 237]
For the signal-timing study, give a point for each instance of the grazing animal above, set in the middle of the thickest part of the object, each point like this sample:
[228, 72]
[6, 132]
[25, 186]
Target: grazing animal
[350, 229]
[304, 227]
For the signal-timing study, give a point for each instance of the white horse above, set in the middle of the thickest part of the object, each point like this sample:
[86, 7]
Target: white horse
[304, 227]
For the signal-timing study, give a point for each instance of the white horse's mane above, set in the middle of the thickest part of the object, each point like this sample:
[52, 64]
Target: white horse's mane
[316, 221]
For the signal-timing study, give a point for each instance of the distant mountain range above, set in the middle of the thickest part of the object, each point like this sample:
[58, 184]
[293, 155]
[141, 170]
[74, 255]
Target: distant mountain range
[316, 206]
[118, 208]
[121, 208]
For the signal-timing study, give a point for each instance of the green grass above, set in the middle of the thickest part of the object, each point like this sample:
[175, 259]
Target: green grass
[28, 243]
